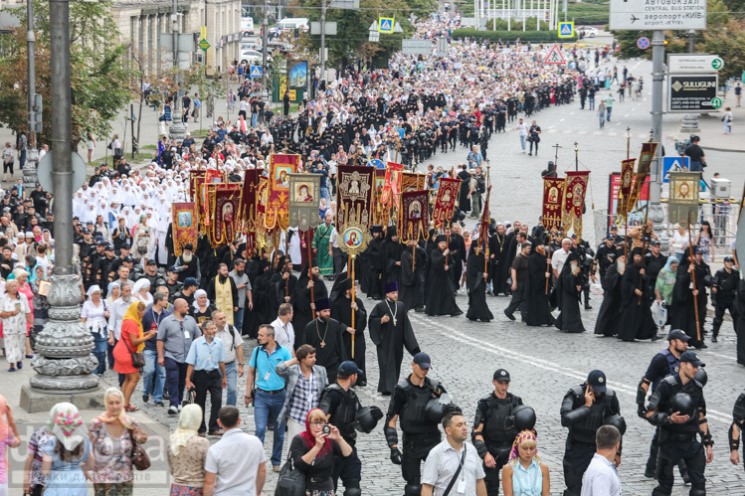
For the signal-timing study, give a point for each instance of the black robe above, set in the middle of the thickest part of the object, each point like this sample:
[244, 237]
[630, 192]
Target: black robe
[301, 300]
[326, 338]
[682, 312]
[539, 313]
[635, 320]
[456, 257]
[499, 270]
[411, 288]
[570, 319]
[441, 295]
[608, 322]
[390, 340]
[374, 268]
[263, 311]
[392, 252]
[476, 285]
[342, 311]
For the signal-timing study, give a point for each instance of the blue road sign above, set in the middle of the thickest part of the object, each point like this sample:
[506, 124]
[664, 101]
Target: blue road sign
[566, 29]
[675, 163]
[256, 71]
[377, 163]
[643, 43]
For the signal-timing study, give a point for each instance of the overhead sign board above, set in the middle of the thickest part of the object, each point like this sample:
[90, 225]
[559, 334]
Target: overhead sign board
[331, 28]
[691, 64]
[416, 47]
[565, 30]
[640, 15]
[692, 92]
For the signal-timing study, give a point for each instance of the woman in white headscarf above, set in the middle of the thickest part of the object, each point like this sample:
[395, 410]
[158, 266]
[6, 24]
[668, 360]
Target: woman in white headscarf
[66, 464]
[142, 238]
[201, 309]
[187, 453]
[141, 291]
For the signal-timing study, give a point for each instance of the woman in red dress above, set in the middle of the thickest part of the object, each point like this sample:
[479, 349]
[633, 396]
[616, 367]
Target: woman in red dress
[132, 341]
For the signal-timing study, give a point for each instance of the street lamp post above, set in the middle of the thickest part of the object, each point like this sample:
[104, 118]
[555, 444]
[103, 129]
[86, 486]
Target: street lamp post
[32, 155]
[64, 362]
[177, 130]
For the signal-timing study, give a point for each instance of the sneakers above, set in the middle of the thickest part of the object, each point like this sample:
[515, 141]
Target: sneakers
[159, 403]
[275, 469]
[172, 410]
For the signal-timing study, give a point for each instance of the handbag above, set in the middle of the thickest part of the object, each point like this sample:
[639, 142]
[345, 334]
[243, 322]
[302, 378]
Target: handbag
[138, 359]
[140, 459]
[291, 480]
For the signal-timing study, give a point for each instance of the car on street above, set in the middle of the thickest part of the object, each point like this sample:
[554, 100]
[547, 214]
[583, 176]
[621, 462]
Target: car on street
[589, 31]
[253, 57]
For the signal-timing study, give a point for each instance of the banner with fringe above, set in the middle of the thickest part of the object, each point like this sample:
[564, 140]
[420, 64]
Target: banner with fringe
[627, 182]
[575, 187]
[411, 181]
[392, 186]
[354, 195]
[649, 150]
[305, 192]
[447, 197]
[224, 204]
[184, 225]
[277, 213]
[414, 223]
[553, 196]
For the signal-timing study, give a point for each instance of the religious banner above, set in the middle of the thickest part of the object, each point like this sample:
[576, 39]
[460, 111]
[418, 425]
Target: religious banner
[627, 181]
[411, 181]
[380, 214]
[277, 213]
[196, 179]
[683, 197]
[553, 196]
[184, 225]
[305, 191]
[447, 197]
[249, 198]
[224, 203]
[414, 223]
[392, 185]
[642, 170]
[575, 187]
[354, 195]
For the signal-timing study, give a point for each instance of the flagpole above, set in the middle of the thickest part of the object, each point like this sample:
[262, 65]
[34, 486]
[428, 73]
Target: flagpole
[350, 263]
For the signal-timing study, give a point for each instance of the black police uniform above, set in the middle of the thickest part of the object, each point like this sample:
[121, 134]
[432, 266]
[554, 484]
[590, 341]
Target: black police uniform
[583, 422]
[738, 422]
[342, 406]
[420, 434]
[679, 440]
[724, 298]
[493, 413]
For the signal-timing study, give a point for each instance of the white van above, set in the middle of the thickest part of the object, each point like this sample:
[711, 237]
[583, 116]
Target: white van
[247, 25]
[291, 23]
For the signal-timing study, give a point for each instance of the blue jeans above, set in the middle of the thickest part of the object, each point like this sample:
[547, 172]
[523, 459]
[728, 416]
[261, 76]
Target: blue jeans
[522, 142]
[238, 319]
[608, 111]
[176, 380]
[153, 376]
[267, 406]
[231, 369]
[100, 347]
[696, 166]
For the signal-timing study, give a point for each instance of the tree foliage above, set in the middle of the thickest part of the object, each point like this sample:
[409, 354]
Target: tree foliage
[99, 77]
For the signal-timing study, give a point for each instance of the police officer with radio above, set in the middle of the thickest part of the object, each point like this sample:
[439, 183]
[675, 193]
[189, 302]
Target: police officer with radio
[418, 402]
[664, 363]
[585, 408]
[343, 407]
[494, 428]
[678, 408]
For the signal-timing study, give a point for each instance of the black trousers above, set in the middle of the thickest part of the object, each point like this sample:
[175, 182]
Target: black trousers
[349, 469]
[719, 309]
[654, 450]
[491, 477]
[577, 458]
[416, 447]
[208, 382]
[670, 452]
[518, 301]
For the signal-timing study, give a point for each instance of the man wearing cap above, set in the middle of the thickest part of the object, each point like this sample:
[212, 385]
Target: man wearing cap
[325, 335]
[420, 432]
[491, 435]
[340, 402]
[681, 417]
[664, 363]
[390, 332]
[584, 408]
[172, 282]
[723, 293]
[605, 255]
[187, 291]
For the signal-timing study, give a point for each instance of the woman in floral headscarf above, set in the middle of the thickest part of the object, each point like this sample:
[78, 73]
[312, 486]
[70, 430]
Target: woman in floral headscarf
[69, 459]
[187, 453]
[525, 475]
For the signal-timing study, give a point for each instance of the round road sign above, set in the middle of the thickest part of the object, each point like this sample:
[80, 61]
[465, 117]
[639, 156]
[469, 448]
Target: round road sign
[643, 43]
[717, 64]
[716, 102]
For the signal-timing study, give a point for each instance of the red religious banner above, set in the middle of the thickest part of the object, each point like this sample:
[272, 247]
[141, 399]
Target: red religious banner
[553, 194]
[614, 201]
[392, 185]
[649, 150]
[211, 176]
[196, 178]
[575, 187]
[414, 215]
[354, 196]
[248, 199]
[627, 180]
[447, 197]
[224, 204]
[380, 214]
[184, 225]
[411, 181]
[277, 213]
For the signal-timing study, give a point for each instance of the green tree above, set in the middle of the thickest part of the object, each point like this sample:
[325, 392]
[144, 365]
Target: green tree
[727, 43]
[98, 72]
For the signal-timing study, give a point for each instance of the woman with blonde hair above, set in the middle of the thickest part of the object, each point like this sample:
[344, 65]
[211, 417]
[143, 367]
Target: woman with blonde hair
[524, 474]
[112, 435]
[132, 341]
[21, 275]
[187, 453]
[66, 462]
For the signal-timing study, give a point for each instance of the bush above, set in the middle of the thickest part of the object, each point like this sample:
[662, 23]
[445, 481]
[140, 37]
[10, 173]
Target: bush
[529, 36]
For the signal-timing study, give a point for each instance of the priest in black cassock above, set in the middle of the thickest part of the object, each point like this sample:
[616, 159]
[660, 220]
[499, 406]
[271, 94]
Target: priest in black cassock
[476, 276]
[390, 331]
[412, 276]
[342, 309]
[441, 294]
[392, 253]
[302, 299]
[608, 322]
[568, 291]
[537, 291]
[635, 320]
[325, 335]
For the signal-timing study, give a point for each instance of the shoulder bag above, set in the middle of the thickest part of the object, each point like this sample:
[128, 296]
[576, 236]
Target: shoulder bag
[140, 459]
[291, 480]
[457, 472]
[138, 359]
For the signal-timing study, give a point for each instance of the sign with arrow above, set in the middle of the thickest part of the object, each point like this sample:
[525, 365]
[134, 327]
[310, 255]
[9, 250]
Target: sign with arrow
[566, 30]
[555, 57]
[386, 25]
[694, 63]
[640, 15]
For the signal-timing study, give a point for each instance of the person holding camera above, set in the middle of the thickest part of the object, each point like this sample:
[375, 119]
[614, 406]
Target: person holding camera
[313, 452]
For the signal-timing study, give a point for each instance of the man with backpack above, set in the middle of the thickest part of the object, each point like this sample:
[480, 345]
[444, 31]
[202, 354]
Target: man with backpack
[233, 342]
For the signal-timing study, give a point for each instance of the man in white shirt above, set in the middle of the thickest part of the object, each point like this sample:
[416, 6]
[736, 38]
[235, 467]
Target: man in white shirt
[284, 333]
[227, 474]
[601, 477]
[233, 342]
[445, 459]
[522, 129]
[559, 258]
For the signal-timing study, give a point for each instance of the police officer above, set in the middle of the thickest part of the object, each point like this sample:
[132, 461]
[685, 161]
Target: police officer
[664, 363]
[585, 408]
[491, 435]
[735, 430]
[723, 294]
[678, 408]
[412, 402]
[340, 402]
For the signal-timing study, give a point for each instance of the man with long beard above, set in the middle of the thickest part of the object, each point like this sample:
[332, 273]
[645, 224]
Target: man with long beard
[223, 291]
[342, 311]
[187, 265]
[391, 331]
[325, 335]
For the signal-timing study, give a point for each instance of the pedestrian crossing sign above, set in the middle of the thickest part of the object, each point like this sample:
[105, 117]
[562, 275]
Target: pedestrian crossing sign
[386, 25]
[555, 57]
[566, 30]
[673, 164]
[256, 71]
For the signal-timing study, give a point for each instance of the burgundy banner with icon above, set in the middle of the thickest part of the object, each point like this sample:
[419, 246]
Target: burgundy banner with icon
[354, 195]
[575, 187]
[553, 195]
[277, 213]
[447, 197]
[184, 225]
[225, 202]
[414, 215]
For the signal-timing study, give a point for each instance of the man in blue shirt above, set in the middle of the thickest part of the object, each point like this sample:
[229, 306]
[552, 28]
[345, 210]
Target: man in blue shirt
[206, 365]
[269, 397]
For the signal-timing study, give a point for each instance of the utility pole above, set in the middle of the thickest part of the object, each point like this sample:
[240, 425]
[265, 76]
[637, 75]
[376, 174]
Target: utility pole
[34, 111]
[265, 47]
[177, 129]
[323, 41]
[656, 213]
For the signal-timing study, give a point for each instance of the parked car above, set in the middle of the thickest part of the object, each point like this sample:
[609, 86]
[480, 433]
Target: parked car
[253, 57]
[589, 31]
